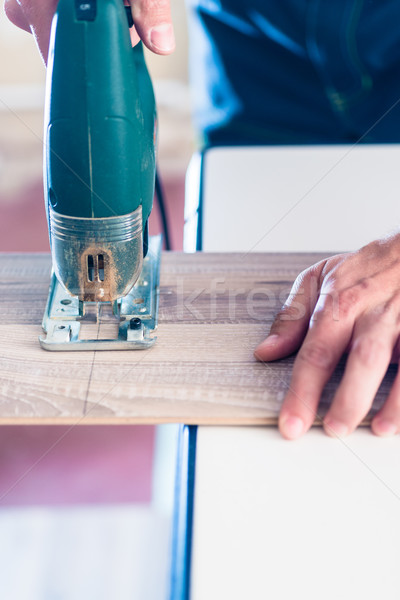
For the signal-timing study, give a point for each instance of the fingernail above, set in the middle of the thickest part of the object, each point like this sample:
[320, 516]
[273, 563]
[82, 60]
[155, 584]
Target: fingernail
[292, 427]
[269, 342]
[162, 37]
[384, 428]
[335, 428]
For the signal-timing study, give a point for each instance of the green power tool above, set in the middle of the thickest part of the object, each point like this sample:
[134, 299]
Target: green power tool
[99, 172]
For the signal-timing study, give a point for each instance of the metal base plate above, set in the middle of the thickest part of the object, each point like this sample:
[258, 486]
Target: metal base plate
[134, 317]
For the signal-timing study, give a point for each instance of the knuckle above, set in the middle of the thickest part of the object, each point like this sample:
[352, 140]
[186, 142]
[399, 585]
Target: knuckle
[369, 350]
[326, 307]
[155, 10]
[288, 312]
[365, 284]
[299, 282]
[311, 274]
[332, 281]
[348, 300]
[332, 264]
[376, 248]
[390, 309]
[318, 271]
[306, 274]
[317, 355]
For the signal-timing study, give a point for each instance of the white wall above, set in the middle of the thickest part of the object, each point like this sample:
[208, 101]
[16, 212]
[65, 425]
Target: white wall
[20, 62]
[22, 80]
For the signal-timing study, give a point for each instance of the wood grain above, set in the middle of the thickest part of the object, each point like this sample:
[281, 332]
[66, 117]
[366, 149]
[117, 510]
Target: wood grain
[214, 309]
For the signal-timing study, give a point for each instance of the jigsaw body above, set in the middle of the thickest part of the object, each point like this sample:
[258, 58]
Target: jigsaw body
[99, 172]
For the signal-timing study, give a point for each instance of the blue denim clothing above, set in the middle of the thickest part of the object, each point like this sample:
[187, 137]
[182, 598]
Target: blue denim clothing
[296, 71]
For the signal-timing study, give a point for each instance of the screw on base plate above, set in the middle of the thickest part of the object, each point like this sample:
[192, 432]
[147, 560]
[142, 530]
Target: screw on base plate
[135, 323]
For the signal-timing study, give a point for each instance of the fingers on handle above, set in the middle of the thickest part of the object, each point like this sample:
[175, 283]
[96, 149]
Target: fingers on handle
[35, 17]
[153, 24]
[291, 323]
[16, 15]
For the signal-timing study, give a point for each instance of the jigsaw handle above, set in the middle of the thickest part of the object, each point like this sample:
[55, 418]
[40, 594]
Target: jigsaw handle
[100, 114]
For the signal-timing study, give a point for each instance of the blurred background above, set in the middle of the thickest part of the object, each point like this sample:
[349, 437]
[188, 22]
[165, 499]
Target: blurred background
[84, 512]
[22, 79]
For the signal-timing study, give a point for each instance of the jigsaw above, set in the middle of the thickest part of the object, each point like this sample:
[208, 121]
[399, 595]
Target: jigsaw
[99, 173]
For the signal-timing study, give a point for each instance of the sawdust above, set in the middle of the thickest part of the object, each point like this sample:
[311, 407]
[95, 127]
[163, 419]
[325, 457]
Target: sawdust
[96, 290]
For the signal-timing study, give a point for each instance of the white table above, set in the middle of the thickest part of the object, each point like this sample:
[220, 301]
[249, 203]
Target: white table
[293, 199]
[317, 518]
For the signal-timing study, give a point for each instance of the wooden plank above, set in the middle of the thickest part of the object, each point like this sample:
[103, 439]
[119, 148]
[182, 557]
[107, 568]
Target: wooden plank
[214, 309]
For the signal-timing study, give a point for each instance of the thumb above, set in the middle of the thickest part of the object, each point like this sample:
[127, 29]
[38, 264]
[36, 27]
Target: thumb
[152, 19]
[35, 17]
[291, 323]
[15, 14]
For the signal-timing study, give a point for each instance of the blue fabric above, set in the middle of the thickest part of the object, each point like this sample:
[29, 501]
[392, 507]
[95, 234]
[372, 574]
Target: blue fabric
[296, 71]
